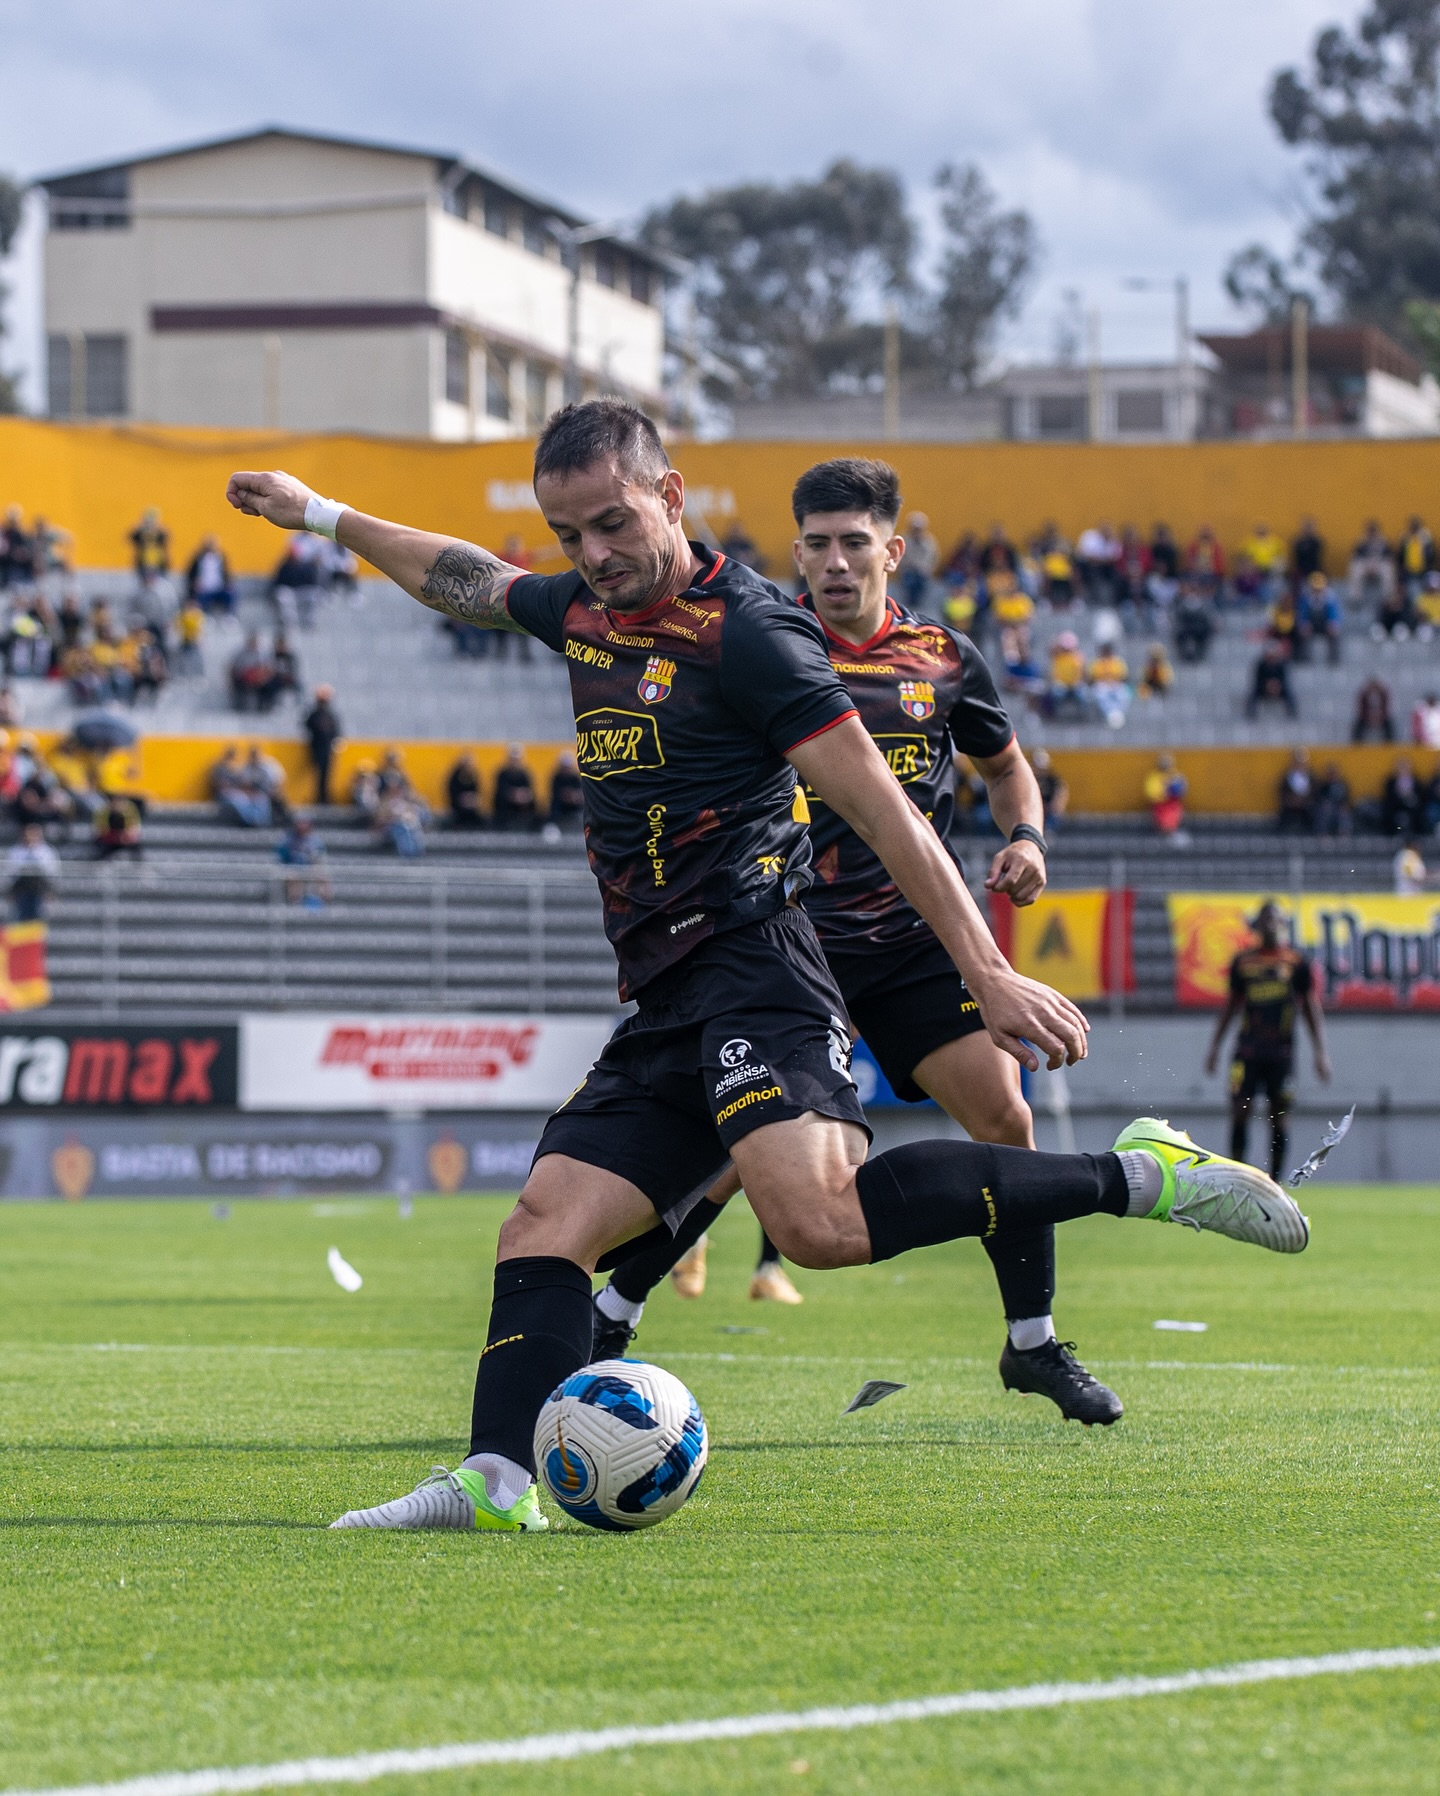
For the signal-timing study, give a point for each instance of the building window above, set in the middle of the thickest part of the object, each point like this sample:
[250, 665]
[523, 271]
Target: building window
[1061, 415]
[604, 265]
[1140, 410]
[535, 234]
[640, 284]
[105, 383]
[497, 385]
[454, 199]
[93, 202]
[60, 375]
[537, 395]
[457, 367]
[497, 215]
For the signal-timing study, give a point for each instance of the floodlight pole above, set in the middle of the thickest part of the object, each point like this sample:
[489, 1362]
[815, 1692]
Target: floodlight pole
[1299, 366]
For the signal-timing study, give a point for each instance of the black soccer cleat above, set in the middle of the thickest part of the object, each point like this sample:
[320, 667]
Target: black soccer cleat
[611, 1338]
[1053, 1371]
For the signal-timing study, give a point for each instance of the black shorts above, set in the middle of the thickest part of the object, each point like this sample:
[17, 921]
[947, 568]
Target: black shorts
[905, 999]
[748, 1029]
[1272, 1077]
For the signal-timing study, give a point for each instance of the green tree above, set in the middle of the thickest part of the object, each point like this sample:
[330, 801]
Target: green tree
[1368, 114]
[987, 259]
[12, 201]
[1258, 282]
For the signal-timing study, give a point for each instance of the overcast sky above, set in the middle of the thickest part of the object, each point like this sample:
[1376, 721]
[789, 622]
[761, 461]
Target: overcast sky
[1133, 130]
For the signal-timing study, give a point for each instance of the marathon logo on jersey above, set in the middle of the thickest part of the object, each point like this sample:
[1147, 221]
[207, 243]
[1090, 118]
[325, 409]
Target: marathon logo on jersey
[657, 679]
[907, 757]
[917, 699]
[610, 741]
[120, 1068]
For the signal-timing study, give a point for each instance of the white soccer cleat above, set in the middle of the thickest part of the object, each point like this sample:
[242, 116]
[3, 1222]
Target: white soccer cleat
[1206, 1191]
[451, 1500]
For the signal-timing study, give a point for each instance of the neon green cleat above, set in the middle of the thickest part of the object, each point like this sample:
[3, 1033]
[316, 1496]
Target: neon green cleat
[451, 1500]
[1206, 1191]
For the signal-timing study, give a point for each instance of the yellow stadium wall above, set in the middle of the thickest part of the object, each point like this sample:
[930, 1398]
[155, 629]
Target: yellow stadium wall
[94, 480]
[176, 770]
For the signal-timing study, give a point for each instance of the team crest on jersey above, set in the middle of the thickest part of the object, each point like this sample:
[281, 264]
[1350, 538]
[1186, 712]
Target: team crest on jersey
[656, 680]
[917, 698]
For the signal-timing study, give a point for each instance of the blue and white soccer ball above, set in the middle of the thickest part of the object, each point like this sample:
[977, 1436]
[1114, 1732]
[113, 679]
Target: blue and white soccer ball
[621, 1444]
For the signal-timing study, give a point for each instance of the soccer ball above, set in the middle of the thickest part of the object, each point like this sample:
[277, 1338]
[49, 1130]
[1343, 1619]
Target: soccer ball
[621, 1444]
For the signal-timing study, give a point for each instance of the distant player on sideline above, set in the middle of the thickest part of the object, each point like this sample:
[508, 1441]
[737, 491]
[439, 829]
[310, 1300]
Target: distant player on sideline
[923, 691]
[1267, 985]
[700, 691]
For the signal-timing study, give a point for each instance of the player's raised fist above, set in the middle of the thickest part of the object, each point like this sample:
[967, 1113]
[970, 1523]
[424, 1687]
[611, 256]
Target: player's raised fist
[277, 497]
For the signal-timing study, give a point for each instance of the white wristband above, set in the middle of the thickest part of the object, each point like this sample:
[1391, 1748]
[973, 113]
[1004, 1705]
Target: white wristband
[322, 515]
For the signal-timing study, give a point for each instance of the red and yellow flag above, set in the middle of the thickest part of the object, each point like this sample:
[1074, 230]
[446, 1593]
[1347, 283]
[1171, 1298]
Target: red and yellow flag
[24, 982]
[1078, 942]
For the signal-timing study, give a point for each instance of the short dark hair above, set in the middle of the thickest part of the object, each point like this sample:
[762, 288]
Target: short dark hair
[578, 436]
[849, 483]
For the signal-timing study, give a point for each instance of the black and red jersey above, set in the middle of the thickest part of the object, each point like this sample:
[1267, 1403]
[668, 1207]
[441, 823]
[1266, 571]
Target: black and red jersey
[684, 713]
[922, 691]
[1268, 982]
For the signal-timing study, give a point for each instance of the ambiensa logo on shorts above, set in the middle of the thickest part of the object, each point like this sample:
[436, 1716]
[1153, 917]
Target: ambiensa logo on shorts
[744, 1101]
[742, 1075]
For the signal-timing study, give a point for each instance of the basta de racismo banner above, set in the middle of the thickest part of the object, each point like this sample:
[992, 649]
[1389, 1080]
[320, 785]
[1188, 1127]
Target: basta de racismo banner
[1369, 951]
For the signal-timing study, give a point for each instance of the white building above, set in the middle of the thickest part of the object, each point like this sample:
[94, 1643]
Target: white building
[286, 280]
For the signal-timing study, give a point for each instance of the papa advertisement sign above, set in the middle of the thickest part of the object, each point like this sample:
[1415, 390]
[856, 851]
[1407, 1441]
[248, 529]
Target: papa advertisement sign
[415, 1063]
[1369, 951]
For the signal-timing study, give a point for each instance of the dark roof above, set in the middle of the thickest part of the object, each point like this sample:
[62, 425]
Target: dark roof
[92, 177]
[1330, 349]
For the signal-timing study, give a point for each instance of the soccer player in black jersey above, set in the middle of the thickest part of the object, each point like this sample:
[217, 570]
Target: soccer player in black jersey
[1269, 983]
[700, 692]
[923, 692]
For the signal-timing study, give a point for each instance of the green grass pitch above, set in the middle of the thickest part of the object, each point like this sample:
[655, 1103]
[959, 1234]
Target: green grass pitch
[185, 1402]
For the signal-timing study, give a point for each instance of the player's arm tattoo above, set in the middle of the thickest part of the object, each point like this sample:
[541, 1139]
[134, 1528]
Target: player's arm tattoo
[465, 582]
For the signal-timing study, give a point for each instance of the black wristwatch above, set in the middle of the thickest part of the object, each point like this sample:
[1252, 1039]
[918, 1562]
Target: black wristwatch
[1027, 832]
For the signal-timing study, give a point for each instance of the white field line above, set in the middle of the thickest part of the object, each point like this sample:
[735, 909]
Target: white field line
[531, 1749]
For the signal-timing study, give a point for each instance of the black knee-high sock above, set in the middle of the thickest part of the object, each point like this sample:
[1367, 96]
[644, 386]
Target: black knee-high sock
[1239, 1131]
[1024, 1262]
[931, 1191]
[541, 1328]
[656, 1253]
[769, 1252]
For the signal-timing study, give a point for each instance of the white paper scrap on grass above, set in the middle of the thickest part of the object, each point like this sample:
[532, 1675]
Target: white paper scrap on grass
[342, 1271]
[1181, 1328]
[532, 1749]
[874, 1390]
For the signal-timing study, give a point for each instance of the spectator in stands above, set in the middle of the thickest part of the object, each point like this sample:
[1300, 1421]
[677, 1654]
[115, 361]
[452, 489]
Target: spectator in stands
[1414, 557]
[462, 792]
[32, 871]
[1394, 615]
[963, 565]
[189, 633]
[1402, 806]
[1333, 815]
[960, 607]
[1097, 558]
[1165, 788]
[151, 669]
[284, 671]
[1158, 675]
[1109, 678]
[1297, 794]
[111, 656]
[1307, 553]
[118, 827]
[340, 569]
[40, 798]
[1425, 722]
[1412, 879]
[207, 579]
[567, 793]
[16, 565]
[1372, 572]
[250, 673]
[70, 622]
[303, 850]
[1266, 553]
[322, 735]
[150, 542]
[513, 806]
[1057, 567]
[27, 643]
[1427, 608]
[737, 543]
[1321, 617]
[297, 584]
[1162, 583]
[265, 775]
[922, 557]
[1054, 793]
[400, 821]
[1066, 689]
[235, 798]
[1271, 681]
[1194, 624]
[393, 777]
[1283, 624]
[1022, 671]
[1132, 570]
[1205, 563]
[365, 789]
[999, 555]
[1373, 722]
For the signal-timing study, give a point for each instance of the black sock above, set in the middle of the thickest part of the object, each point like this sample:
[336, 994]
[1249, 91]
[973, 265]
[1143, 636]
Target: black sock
[769, 1252]
[541, 1328]
[931, 1191]
[1279, 1142]
[1239, 1129]
[1024, 1262]
[637, 1275]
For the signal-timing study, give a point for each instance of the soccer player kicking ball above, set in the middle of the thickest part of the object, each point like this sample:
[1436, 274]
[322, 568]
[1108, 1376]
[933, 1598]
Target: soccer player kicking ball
[922, 691]
[700, 692]
[1268, 984]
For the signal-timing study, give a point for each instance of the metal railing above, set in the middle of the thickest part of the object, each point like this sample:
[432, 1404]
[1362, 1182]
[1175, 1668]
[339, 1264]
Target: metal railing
[442, 922]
